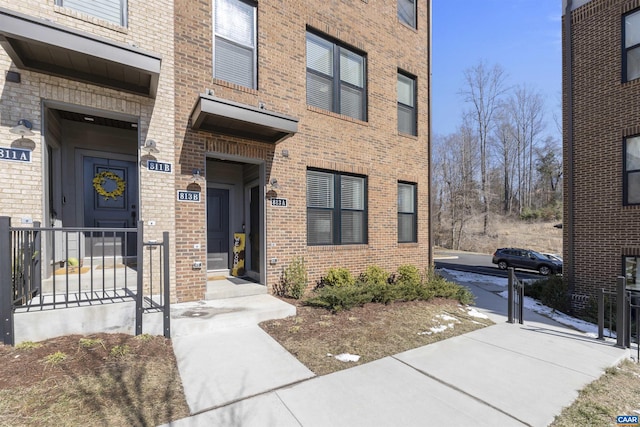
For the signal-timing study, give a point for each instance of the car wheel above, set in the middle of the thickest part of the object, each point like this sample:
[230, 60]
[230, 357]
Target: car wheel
[502, 265]
[544, 270]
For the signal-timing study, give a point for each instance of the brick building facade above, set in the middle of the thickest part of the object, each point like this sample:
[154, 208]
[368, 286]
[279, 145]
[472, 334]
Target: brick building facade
[304, 126]
[601, 145]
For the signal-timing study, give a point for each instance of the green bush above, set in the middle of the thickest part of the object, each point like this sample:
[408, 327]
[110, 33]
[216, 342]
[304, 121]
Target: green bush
[294, 280]
[337, 298]
[338, 277]
[375, 275]
[376, 280]
[551, 291]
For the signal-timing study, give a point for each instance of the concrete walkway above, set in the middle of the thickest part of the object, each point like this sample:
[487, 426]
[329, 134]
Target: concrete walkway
[502, 375]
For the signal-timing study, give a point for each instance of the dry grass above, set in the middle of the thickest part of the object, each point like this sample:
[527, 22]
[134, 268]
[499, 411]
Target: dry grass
[372, 332]
[102, 380]
[617, 392]
[507, 232]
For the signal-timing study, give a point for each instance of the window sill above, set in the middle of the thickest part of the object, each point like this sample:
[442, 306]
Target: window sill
[234, 86]
[331, 248]
[408, 135]
[407, 26]
[90, 19]
[336, 115]
[408, 245]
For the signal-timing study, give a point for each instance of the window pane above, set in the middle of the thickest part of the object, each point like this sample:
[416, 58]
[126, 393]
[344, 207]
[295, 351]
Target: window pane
[319, 55]
[406, 120]
[631, 270]
[352, 227]
[109, 10]
[406, 228]
[633, 153]
[351, 68]
[633, 64]
[633, 188]
[319, 190]
[319, 227]
[351, 102]
[406, 198]
[632, 29]
[407, 12]
[234, 63]
[319, 92]
[406, 90]
[352, 192]
[234, 21]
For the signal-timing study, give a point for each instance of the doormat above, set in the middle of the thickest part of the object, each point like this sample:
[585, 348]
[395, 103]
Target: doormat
[216, 277]
[72, 270]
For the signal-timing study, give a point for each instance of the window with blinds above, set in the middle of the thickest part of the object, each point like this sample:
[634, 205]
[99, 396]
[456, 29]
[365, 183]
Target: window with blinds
[109, 10]
[407, 12]
[336, 208]
[407, 122]
[335, 78]
[235, 42]
[407, 217]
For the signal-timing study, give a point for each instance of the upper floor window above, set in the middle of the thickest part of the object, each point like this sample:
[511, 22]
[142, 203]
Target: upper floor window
[109, 10]
[336, 208]
[335, 78]
[407, 105]
[632, 171]
[235, 56]
[407, 213]
[407, 12]
[631, 54]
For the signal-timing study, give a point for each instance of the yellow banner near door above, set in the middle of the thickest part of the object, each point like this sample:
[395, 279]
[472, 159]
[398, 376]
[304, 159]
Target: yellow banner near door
[238, 254]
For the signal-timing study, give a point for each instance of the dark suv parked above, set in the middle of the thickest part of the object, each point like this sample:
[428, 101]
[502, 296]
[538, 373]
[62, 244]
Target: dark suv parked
[527, 259]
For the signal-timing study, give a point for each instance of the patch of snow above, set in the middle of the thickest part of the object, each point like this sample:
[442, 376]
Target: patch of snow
[447, 317]
[346, 357]
[475, 313]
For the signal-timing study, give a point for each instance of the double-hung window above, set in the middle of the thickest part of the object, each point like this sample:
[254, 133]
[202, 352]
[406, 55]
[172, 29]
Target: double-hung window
[336, 208]
[407, 104]
[336, 78]
[632, 170]
[109, 10]
[235, 56]
[631, 48]
[407, 213]
[407, 12]
[632, 270]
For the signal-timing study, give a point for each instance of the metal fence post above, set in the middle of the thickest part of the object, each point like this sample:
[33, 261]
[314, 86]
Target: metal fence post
[621, 323]
[36, 279]
[167, 291]
[6, 282]
[520, 301]
[140, 268]
[601, 314]
[510, 296]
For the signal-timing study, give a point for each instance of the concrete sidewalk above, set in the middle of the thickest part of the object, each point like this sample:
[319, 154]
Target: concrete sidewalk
[502, 375]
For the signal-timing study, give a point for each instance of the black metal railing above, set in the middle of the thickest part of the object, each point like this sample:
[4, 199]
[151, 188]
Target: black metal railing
[61, 267]
[515, 298]
[619, 311]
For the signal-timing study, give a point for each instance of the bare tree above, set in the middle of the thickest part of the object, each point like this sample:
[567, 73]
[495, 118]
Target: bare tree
[484, 88]
[549, 168]
[506, 156]
[525, 110]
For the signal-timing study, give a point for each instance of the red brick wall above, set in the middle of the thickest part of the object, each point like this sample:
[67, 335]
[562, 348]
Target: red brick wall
[605, 110]
[324, 139]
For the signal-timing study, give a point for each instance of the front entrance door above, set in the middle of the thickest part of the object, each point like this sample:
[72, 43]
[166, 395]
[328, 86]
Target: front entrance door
[110, 190]
[217, 229]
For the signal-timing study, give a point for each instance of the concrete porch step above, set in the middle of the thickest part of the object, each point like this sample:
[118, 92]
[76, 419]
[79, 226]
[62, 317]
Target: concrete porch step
[232, 287]
[201, 317]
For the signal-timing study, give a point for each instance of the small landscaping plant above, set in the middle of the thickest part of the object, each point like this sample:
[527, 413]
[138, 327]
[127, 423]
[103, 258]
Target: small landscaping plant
[338, 290]
[551, 291]
[294, 280]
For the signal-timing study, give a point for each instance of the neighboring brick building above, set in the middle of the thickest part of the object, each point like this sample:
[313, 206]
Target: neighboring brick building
[303, 125]
[601, 77]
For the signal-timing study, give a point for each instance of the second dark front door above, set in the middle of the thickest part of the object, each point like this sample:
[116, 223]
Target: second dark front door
[217, 229]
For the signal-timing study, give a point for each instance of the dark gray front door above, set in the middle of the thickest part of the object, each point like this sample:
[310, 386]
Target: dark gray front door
[110, 200]
[254, 228]
[217, 229]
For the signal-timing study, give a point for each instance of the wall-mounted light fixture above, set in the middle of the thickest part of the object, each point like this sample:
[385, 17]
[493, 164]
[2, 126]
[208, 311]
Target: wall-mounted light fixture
[150, 146]
[274, 183]
[197, 175]
[23, 128]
